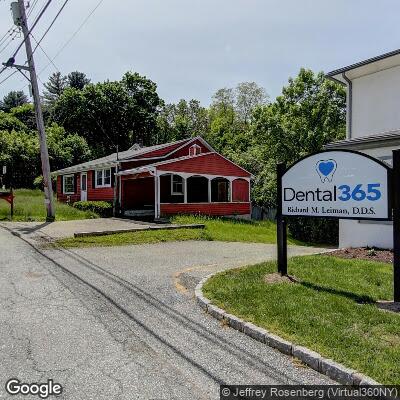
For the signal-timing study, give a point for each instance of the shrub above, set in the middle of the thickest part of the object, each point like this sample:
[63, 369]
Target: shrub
[314, 230]
[103, 208]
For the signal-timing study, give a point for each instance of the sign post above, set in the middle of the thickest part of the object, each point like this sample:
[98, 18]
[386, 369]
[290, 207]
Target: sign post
[396, 225]
[340, 184]
[281, 231]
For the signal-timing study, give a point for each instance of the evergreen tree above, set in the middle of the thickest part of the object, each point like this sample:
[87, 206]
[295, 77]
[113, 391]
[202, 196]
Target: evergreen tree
[13, 99]
[55, 87]
[77, 80]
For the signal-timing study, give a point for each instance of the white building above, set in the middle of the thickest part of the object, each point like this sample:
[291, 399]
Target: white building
[373, 127]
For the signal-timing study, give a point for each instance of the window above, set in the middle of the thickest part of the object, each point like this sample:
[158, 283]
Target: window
[194, 150]
[176, 185]
[103, 177]
[68, 184]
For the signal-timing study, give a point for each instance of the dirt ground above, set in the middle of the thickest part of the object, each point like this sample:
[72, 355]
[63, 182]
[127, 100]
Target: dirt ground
[365, 253]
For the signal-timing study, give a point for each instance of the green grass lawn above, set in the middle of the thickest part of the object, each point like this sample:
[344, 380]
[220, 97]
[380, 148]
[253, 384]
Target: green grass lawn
[29, 206]
[331, 310]
[215, 229]
[138, 237]
[230, 230]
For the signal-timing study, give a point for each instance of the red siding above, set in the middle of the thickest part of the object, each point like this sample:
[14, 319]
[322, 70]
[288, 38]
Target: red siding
[161, 152]
[98, 194]
[212, 164]
[240, 190]
[184, 151]
[95, 194]
[217, 209]
[71, 197]
[136, 164]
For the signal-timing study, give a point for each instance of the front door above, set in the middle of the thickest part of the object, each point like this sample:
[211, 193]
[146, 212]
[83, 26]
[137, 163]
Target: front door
[83, 186]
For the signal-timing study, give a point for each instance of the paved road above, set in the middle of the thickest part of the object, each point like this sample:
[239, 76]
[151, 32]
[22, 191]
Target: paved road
[64, 229]
[114, 323]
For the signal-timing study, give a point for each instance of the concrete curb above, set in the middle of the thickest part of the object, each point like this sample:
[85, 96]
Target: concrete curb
[333, 370]
[150, 228]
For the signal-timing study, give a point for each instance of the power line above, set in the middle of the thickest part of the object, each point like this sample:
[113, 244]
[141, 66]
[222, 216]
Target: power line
[52, 23]
[33, 26]
[7, 77]
[44, 52]
[73, 35]
[13, 35]
[5, 36]
[31, 8]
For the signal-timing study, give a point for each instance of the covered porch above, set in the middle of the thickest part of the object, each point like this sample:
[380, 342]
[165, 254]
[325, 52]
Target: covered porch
[157, 193]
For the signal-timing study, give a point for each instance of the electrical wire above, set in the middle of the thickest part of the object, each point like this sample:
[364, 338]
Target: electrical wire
[6, 36]
[44, 52]
[33, 26]
[9, 76]
[15, 33]
[31, 8]
[52, 23]
[73, 35]
[29, 32]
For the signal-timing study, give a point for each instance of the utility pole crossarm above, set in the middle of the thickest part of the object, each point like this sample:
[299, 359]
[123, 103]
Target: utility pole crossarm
[20, 19]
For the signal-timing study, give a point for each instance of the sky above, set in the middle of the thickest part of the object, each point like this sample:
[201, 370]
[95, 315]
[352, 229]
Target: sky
[191, 48]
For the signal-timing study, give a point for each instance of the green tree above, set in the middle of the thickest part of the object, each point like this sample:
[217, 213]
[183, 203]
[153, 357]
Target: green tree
[25, 114]
[310, 113]
[111, 113]
[224, 99]
[65, 149]
[77, 80]
[249, 95]
[54, 87]
[13, 99]
[9, 122]
[183, 120]
[19, 151]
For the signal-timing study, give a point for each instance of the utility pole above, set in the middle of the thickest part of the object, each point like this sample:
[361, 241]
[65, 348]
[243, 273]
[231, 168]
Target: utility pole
[19, 14]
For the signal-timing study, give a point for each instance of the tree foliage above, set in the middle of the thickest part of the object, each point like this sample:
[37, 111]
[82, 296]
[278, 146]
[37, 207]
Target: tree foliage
[309, 113]
[54, 87]
[77, 80]
[25, 114]
[111, 113]
[182, 120]
[13, 99]
[88, 120]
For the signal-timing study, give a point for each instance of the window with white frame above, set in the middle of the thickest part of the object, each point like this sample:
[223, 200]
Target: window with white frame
[68, 184]
[176, 185]
[103, 177]
[194, 150]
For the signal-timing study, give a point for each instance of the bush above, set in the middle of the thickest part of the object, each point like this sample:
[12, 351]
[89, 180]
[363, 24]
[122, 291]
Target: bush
[38, 182]
[314, 230]
[103, 208]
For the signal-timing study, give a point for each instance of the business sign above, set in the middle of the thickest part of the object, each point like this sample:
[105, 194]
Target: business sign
[338, 184]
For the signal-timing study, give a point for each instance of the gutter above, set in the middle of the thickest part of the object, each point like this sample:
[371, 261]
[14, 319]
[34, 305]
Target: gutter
[349, 116]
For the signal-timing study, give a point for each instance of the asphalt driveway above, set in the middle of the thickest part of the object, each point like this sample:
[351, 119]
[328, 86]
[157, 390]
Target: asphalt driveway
[120, 323]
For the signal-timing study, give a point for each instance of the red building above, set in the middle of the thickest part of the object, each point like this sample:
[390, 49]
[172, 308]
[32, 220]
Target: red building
[184, 177]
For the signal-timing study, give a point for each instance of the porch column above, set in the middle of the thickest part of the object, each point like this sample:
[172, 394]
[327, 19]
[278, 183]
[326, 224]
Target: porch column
[156, 196]
[209, 190]
[184, 189]
[120, 192]
[230, 190]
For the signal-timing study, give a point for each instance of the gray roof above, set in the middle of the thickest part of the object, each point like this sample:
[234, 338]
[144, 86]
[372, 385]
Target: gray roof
[111, 160]
[364, 62]
[384, 139]
[365, 67]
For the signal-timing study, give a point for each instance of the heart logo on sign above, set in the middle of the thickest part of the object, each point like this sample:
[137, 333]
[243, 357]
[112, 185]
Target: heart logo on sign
[326, 170]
